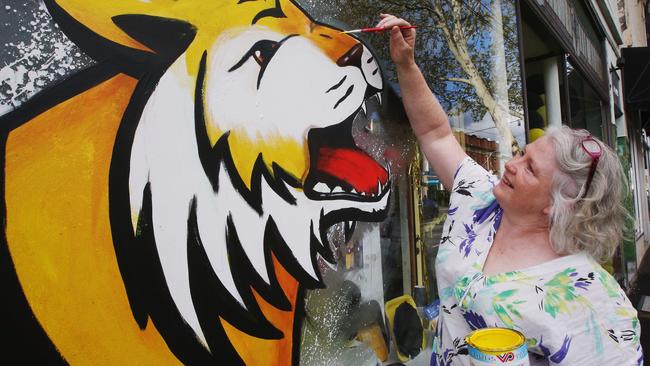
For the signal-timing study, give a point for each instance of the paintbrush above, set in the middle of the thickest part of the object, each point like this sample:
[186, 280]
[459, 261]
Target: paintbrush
[381, 29]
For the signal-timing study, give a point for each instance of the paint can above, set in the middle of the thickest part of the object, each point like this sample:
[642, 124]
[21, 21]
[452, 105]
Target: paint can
[497, 346]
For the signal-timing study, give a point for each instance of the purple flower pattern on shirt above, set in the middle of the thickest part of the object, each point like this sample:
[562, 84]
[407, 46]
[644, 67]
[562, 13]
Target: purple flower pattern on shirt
[474, 320]
[466, 245]
[560, 354]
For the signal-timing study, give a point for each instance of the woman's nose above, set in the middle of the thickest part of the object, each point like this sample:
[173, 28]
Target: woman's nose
[510, 165]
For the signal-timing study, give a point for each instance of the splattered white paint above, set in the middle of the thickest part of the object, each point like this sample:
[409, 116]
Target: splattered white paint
[35, 54]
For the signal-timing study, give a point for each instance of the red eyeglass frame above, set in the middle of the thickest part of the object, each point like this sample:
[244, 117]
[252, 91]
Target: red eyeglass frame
[595, 157]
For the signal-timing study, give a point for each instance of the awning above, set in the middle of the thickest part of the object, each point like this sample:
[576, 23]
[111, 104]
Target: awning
[636, 77]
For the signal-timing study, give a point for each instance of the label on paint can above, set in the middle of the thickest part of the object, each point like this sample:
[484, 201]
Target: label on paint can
[497, 346]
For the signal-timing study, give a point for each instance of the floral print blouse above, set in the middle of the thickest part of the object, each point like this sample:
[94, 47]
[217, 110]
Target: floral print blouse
[570, 309]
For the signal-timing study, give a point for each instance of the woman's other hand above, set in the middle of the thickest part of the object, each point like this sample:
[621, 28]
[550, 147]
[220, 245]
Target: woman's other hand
[402, 41]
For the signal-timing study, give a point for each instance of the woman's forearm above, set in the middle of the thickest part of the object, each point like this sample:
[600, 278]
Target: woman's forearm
[423, 109]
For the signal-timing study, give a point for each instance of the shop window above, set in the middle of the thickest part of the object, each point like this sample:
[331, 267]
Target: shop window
[543, 75]
[585, 104]
[381, 267]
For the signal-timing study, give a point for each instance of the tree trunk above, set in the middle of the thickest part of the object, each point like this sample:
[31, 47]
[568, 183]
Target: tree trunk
[457, 42]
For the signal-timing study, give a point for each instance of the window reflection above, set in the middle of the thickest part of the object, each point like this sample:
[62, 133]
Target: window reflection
[585, 104]
[468, 52]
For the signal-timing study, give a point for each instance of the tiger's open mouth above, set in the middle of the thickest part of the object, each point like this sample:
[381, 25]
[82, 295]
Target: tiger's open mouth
[339, 170]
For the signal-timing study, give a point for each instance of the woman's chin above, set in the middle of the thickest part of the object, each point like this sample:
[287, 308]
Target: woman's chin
[499, 193]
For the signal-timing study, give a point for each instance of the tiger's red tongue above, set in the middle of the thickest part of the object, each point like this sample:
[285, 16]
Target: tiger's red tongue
[352, 166]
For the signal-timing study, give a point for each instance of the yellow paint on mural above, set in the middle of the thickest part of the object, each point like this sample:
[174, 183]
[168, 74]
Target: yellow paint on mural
[59, 233]
[229, 16]
[225, 16]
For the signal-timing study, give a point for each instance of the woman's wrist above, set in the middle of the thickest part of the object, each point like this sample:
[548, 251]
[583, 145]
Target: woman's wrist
[407, 67]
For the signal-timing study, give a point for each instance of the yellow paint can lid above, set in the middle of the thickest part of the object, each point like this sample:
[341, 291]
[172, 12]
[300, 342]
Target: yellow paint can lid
[495, 339]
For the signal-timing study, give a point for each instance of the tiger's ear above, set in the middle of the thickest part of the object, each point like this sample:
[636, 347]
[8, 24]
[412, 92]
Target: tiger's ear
[138, 30]
[166, 37]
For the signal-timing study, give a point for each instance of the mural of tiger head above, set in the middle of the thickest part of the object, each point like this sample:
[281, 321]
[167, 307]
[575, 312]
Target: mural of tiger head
[171, 203]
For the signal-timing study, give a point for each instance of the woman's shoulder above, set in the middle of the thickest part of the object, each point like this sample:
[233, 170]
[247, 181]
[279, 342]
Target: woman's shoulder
[569, 285]
[470, 176]
[586, 277]
[586, 310]
[599, 295]
[604, 283]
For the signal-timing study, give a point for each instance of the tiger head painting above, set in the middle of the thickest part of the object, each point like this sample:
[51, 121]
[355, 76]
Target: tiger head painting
[170, 204]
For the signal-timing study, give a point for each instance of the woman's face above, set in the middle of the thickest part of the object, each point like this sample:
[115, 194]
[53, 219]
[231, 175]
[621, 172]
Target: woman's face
[525, 187]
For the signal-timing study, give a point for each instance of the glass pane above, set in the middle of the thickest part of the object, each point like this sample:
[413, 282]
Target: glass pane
[468, 52]
[433, 207]
[629, 259]
[585, 104]
[544, 81]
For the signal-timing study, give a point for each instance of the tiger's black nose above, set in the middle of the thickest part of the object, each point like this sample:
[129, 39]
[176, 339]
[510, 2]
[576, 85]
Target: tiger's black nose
[352, 57]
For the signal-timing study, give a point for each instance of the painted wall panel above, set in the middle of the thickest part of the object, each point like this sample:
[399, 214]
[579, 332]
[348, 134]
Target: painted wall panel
[173, 199]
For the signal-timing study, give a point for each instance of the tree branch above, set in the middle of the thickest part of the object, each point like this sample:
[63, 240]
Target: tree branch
[457, 80]
[516, 114]
[471, 19]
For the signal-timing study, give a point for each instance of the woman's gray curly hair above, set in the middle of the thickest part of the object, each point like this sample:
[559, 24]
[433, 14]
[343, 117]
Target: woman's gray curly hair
[593, 224]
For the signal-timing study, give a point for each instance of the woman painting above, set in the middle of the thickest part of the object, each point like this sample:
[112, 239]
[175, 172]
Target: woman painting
[522, 252]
